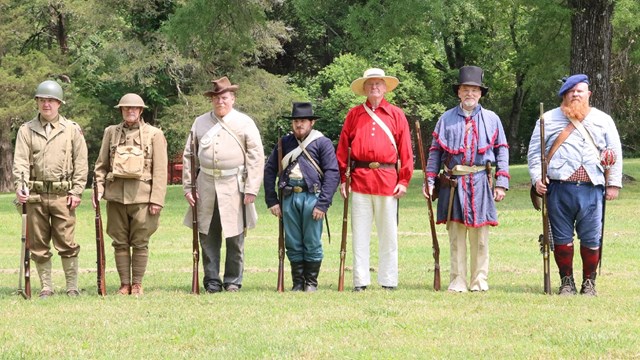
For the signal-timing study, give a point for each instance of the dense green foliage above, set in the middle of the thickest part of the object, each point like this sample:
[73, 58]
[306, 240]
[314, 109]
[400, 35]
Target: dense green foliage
[513, 320]
[280, 51]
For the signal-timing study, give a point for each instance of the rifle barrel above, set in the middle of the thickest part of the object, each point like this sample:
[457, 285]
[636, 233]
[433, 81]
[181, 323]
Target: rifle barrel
[195, 277]
[25, 253]
[280, 284]
[432, 223]
[345, 220]
[100, 263]
[546, 241]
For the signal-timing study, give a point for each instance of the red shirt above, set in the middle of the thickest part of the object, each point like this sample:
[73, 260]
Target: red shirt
[370, 143]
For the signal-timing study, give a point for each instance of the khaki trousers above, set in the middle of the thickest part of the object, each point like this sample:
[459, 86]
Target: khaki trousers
[479, 257]
[51, 219]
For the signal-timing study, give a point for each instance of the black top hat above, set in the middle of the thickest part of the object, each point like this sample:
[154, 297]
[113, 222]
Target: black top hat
[302, 110]
[471, 75]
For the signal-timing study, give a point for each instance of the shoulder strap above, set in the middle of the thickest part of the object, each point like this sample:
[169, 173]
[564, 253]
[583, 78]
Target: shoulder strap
[316, 135]
[382, 125]
[232, 133]
[586, 134]
[559, 140]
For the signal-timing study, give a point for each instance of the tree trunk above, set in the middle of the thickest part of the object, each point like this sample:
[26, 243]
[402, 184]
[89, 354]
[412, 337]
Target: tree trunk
[591, 34]
[514, 119]
[6, 160]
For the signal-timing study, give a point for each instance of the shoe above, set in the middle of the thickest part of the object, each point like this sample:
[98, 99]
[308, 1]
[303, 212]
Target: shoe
[389, 288]
[213, 288]
[232, 288]
[588, 288]
[73, 293]
[136, 289]
[359, 288]
[568, 286]
[125, 289]
[45, 294]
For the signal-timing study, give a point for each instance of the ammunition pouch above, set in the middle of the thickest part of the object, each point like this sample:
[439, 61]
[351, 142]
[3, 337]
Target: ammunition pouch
[128, 162]
[49, 187]
[535, 198]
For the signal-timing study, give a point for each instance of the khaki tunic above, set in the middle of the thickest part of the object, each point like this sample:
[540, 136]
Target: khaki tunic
[62, 157]
[151, 188]
[223, 152]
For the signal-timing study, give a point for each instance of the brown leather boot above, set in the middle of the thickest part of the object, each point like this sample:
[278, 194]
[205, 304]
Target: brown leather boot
[125, 289]
[136, 289]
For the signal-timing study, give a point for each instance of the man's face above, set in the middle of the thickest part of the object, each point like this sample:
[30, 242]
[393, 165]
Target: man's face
[375, 88]
[131, 114]
[302, 127]
[223, 103]
[577, 94]
[469, 96]
[48, 108]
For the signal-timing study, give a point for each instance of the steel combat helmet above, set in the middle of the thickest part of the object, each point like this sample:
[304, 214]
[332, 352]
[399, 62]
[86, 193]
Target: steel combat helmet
[50, 89]
[131, 100]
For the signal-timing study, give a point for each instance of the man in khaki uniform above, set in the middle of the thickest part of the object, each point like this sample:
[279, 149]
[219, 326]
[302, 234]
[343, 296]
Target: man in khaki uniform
[51, 157]
[230, 160]
[131, 173]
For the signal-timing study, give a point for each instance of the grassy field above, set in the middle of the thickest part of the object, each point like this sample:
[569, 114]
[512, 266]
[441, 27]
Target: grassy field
[512, 320]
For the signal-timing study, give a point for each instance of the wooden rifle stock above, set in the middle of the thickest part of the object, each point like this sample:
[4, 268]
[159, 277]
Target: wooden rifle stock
[280, 222]
[25, 254]
[195, 277]
[345, 219]
[545, 237]
[100, 262]
[432, 223]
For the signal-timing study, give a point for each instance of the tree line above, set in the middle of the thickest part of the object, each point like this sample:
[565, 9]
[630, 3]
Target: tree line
[280, 51]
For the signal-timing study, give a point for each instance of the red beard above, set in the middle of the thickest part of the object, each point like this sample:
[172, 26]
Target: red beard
[577, 109]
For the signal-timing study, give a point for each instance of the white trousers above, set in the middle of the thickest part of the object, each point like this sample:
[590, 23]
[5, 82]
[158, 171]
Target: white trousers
[365, 209]
[479, 254]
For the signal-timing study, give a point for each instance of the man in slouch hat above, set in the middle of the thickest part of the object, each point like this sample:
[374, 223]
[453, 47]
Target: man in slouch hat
[576, 136]
[467, 141]
[309, 179]
[230, 162]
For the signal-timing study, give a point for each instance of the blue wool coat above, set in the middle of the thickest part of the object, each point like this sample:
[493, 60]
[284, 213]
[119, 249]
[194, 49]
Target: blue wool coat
[452, 145]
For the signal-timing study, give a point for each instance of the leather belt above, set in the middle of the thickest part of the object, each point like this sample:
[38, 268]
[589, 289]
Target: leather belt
[465, 169]
[373, 165]
[218, 173]
[576, 183]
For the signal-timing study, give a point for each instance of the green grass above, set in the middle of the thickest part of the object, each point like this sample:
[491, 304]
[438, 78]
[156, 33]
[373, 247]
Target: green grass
[513, 320]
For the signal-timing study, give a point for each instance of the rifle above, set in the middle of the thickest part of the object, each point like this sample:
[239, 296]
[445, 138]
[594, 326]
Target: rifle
[195, 282]
[608, 159]
[25, 255]
[280, 222]
[345, 218]
[100, 263]
[545, 237]
[434, 237]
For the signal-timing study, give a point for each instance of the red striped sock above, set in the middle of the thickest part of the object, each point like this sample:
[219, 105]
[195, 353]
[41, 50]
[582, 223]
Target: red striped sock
[590, 259]
[564, 259]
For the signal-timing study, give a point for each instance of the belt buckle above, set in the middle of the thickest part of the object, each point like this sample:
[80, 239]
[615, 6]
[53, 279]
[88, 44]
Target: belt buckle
[297, 189]
[374, 165]
[217, 173]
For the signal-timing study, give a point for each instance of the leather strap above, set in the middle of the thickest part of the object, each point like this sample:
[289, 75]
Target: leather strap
[559, 140]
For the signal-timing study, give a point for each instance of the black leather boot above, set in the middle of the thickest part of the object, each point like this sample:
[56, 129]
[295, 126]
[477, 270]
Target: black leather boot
[311, 271]
[297, 276]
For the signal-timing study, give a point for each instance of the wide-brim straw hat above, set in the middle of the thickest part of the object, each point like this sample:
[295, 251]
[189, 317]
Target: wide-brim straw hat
[220, 86]
[357, 86]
